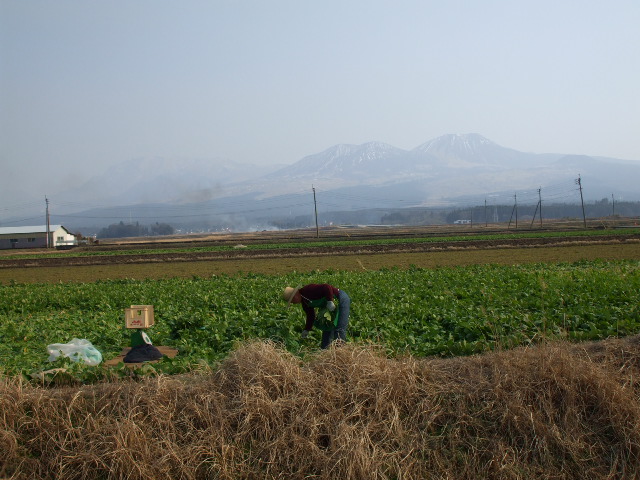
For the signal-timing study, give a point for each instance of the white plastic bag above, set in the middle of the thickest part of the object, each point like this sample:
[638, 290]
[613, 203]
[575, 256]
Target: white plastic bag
[77, 349]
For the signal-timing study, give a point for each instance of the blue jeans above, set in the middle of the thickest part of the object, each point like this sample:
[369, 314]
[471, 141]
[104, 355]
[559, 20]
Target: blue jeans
[344, 304]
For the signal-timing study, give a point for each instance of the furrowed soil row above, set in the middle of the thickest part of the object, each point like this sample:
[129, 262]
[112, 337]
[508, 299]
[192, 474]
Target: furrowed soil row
[240, 253]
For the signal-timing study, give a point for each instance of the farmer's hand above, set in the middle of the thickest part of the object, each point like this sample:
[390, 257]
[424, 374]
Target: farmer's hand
[304, 334]
[331, 306]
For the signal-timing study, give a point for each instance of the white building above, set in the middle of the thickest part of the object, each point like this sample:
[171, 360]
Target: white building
[36, 237]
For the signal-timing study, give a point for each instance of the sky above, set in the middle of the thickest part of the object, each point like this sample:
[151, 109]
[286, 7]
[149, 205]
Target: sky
[88, 84]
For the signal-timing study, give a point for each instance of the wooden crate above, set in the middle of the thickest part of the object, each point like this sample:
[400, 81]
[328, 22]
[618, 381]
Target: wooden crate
[139, 316]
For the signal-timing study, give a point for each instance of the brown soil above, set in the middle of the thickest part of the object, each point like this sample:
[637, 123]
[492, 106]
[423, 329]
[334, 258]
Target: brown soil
[70, 259]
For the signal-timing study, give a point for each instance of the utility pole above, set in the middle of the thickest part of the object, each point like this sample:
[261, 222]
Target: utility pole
[540, 202]
[514, 209]
[584, 218]
[613, 203]
[315, 207]
[46, 200]
[485, 212]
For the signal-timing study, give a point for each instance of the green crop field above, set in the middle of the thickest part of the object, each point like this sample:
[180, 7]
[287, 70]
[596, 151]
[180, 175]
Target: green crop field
[160, 248]
[457, 310]
[467, 358]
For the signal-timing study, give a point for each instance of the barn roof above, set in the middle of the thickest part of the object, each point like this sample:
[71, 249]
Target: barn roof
[31, 229]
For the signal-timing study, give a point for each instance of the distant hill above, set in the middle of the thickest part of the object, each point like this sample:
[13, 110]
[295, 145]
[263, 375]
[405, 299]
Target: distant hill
[449, 170]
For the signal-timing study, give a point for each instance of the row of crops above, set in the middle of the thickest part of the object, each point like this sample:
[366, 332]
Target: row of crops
[443, 311]
[290, 245]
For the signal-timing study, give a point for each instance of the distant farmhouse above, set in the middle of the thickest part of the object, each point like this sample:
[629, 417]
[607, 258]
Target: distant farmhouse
[36, 237]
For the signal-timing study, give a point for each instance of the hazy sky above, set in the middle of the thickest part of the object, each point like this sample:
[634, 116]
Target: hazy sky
[87, 84]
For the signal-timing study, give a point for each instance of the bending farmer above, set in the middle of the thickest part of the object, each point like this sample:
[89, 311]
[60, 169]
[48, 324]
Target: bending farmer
[333, 310]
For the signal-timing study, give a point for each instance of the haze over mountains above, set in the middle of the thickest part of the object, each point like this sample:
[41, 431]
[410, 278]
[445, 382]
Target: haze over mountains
[447, 170]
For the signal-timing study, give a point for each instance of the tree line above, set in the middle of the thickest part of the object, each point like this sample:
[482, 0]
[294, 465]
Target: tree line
[122, 230]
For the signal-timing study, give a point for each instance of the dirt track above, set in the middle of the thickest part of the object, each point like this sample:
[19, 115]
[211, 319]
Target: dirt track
[72, 259]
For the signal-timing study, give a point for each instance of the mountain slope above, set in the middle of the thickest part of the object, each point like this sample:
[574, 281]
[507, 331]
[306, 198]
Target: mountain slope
[349, 163]
[443, 171]
[475, 151]
[165, 180]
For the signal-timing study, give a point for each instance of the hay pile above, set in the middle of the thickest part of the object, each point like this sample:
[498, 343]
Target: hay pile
[553, 411]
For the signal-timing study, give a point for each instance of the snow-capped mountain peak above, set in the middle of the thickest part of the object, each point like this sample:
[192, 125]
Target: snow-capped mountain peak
[471, 150]
[469, 142]
[346, 160]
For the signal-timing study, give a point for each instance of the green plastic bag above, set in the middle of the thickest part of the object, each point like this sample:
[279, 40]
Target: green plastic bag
[78, 349]
[325, 320]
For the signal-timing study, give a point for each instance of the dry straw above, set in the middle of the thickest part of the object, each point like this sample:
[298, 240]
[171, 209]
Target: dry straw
[554, 411]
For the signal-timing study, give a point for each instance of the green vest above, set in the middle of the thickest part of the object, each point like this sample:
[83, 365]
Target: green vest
[325, 320]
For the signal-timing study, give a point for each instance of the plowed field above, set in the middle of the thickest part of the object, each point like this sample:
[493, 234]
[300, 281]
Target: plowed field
[116, 262]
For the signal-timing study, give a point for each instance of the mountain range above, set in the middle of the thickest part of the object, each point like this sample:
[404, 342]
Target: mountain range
[448, 170]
